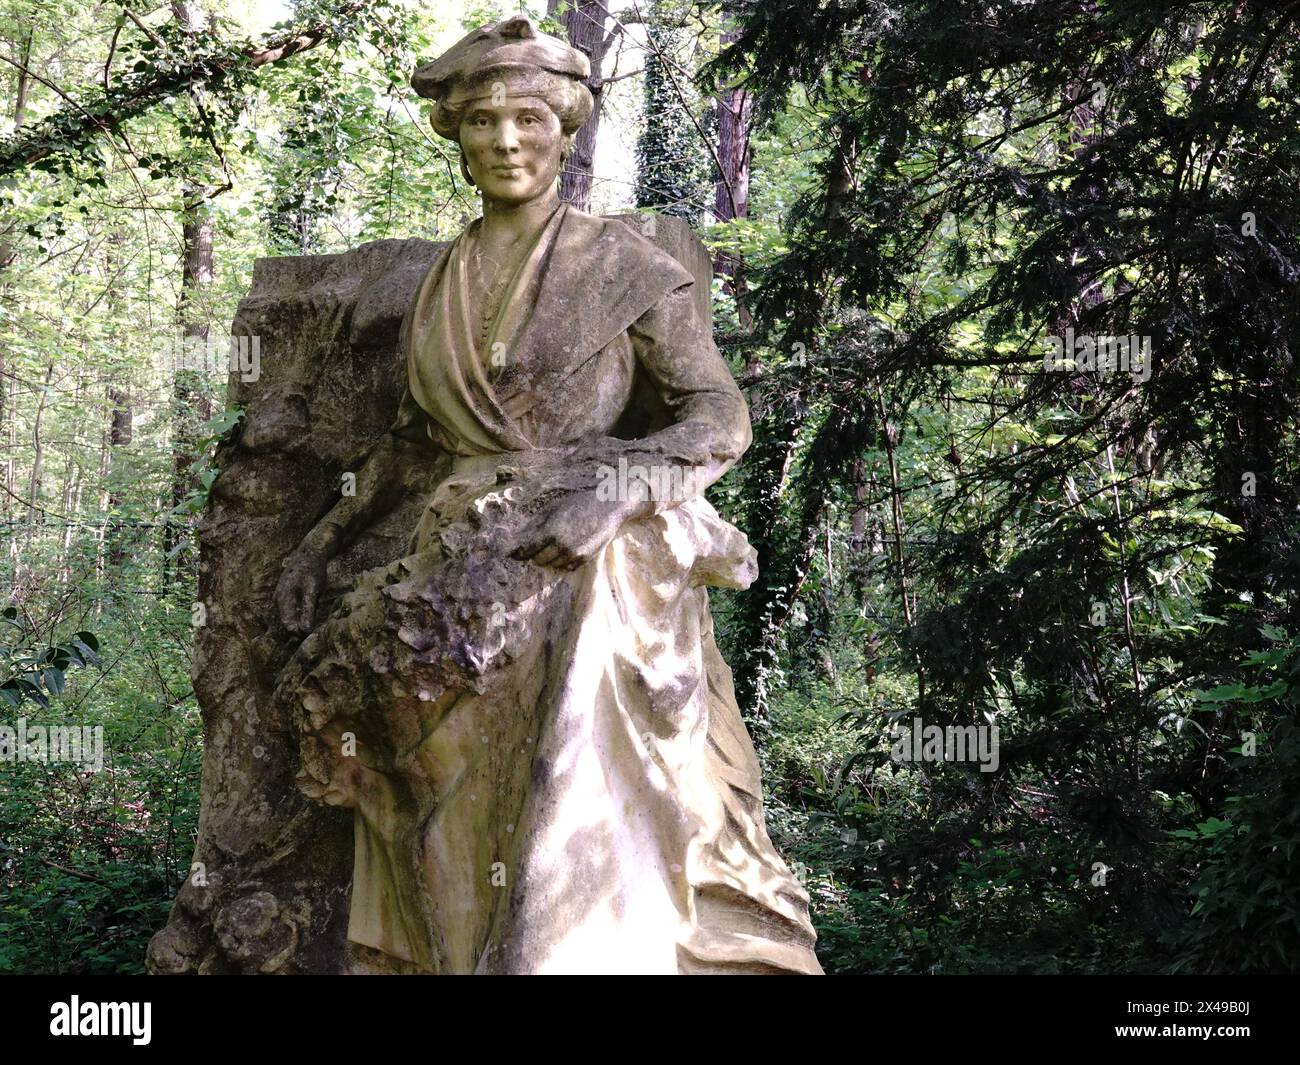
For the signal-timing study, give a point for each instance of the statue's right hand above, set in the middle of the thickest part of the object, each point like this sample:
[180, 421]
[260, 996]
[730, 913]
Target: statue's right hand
[299, 587]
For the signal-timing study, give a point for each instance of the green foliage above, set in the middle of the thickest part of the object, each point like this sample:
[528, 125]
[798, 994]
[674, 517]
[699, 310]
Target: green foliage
[1071, 555]
[91, 855]
[672, 162]
[38, 673]
[1247, 912]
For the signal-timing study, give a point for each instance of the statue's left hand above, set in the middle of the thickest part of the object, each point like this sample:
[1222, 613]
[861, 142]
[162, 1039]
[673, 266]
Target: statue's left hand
[572, 530]
[299, 587]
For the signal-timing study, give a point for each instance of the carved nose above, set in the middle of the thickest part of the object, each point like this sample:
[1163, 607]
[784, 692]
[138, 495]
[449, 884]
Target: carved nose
[507, 139]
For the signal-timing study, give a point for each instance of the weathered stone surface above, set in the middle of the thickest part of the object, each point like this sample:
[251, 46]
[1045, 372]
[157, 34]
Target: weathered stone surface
[269, 890]
[330, 381]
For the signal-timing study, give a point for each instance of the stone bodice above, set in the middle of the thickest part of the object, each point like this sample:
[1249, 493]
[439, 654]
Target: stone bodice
[599, 335]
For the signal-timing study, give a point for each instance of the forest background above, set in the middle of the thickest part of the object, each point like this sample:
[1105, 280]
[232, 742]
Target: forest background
[906, 202]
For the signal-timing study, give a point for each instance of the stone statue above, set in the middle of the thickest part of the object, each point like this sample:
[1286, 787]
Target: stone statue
[527, 713]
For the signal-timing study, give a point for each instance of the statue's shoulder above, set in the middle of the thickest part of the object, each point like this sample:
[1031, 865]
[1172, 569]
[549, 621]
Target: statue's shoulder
[423, 283]
[615, 246]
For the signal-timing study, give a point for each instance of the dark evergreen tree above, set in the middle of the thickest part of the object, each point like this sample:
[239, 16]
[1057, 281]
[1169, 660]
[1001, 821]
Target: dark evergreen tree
[672, 162]
[996, 176]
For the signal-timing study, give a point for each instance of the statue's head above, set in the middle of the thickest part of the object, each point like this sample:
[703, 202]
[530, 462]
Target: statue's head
[512, 98]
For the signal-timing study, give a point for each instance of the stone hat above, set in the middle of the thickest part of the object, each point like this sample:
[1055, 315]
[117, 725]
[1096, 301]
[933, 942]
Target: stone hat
[513, 47]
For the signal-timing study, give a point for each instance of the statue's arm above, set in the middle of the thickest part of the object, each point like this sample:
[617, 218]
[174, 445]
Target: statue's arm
[709, 432]
[710, 427]
[396, 464]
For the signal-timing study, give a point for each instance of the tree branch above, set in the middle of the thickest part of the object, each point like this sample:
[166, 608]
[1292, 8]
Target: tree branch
[77, 123]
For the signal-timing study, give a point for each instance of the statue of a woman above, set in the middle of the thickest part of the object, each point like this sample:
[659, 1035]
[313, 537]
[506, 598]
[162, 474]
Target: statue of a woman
[528, 712]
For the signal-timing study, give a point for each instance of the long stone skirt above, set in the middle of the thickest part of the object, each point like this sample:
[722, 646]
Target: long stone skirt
[549, 770]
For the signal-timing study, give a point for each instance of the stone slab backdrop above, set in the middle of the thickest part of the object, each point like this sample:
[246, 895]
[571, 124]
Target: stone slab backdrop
[271, 874]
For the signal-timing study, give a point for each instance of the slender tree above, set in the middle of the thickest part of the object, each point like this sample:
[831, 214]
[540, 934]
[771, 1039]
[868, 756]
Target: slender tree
[588, 27]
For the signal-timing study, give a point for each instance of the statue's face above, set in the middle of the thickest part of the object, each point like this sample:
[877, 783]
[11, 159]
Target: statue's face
[512, 148]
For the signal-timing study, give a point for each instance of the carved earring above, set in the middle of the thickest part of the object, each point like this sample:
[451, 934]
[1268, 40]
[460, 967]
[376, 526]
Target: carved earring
[464, 171]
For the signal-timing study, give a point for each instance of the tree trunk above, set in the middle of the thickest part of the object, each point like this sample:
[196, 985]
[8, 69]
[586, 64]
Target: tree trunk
[34, 483]
[734, 109]
[120, 419]
[8, 378]
[584, 21]
[784, 554]
[190, 405]
[731, 195]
